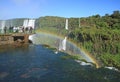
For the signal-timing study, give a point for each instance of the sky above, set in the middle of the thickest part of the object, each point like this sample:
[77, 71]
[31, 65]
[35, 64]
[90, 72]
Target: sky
[64, 8]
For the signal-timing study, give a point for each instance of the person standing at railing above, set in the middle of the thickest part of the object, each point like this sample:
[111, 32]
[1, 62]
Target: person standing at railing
[5, 29]
[30, 29]
[14, 29]
[11, 29]
[26, 29]
[23, 29]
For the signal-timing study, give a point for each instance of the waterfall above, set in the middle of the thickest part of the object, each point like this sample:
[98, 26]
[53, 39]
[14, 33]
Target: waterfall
[25, 23]
[2, 26]
[62, 44]
[66, 24]
[29, 23]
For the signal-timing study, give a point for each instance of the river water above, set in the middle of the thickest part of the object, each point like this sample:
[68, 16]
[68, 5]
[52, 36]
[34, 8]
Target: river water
[36, 63]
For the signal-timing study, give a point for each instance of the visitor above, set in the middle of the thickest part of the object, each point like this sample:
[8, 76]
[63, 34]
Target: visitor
[15, 29]
[5, 29]
[23, 29]
[11, 29]
[26, 29]
[30, 29]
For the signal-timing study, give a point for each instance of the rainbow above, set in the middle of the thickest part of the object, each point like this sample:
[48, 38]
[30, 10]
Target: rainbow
[89, 57]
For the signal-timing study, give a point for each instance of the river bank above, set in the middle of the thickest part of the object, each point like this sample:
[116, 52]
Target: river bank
[100, 43]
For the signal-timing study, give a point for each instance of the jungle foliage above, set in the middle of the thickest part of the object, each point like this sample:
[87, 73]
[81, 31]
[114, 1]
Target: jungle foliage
[100, 35]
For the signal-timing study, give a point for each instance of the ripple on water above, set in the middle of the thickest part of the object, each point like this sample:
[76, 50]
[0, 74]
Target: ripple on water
[3, 74]
[34, 72]
[26, 75]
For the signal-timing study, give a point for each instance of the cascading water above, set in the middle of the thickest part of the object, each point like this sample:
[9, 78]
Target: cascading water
[25, 23]
[66, 24]
[62, 45]
[58, 43]
[29, 23]
[2, 26]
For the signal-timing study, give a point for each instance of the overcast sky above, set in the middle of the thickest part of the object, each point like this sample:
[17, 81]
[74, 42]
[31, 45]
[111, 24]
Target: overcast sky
[64, 8]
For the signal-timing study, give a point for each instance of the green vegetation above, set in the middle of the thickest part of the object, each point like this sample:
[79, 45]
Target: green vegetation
[111, 60]
[100, 35]
[45, 45]
[75, 57]
[48, 46]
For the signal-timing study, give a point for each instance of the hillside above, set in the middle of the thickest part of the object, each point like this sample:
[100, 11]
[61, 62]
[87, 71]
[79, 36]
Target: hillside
[100, 35]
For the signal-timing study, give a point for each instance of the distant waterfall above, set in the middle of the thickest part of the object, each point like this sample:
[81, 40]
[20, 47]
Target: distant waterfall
[2, 26]
[62, 44]
[29, 23]
[66, 24]
[25, 23]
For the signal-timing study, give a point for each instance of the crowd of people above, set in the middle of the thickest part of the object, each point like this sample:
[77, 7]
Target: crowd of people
[20, 29]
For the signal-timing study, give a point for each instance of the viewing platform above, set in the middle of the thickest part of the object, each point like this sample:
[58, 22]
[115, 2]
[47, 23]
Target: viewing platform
[14, 38]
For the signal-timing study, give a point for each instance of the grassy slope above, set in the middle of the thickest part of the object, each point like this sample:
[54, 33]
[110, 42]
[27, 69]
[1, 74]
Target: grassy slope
[102, 43]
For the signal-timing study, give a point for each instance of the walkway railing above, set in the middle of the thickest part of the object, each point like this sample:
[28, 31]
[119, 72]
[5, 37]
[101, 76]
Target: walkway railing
[13, 31]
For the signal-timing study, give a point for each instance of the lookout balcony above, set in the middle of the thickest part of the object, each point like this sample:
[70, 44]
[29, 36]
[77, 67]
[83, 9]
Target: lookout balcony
[9, 37]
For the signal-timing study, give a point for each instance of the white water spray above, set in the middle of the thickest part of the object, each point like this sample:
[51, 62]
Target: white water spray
[62, 45]
[2, 26]
[25, 23]
[29, 23]
[66, 24]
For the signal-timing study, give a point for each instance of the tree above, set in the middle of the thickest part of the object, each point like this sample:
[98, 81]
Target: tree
[116, 14]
